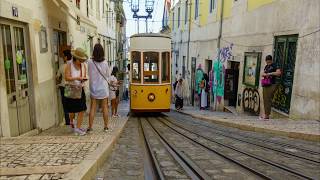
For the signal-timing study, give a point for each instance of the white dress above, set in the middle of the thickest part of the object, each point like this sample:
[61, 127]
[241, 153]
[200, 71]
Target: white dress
[203, 98]
[113, 81]
[99, 88]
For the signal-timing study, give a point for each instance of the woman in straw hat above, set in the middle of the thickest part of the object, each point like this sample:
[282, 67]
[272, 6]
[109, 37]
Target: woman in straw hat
[75, 73]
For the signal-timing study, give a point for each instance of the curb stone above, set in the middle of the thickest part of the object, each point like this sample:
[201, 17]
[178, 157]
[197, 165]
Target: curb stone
[88, 168]
[295, 135]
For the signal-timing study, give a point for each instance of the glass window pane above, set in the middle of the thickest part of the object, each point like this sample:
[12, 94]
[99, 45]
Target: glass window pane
[21, 57]
[8, 58]
[151, 67]
[165, 67]
[136, 58]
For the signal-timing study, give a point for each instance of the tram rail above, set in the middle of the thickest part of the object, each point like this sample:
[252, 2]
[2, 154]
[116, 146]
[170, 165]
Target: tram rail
[190, 169]
[260, 140]
[279, 167]
[221, 133]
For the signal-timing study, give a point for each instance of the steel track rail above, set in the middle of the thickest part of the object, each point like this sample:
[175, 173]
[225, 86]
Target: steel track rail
[252, 143]
[268, 141]
[230, 159]
[239, 151]
[191, 168]
[153, 171]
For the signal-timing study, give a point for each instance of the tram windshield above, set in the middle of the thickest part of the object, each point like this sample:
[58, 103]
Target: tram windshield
[136, 72]
[151, 67]
[165, 67]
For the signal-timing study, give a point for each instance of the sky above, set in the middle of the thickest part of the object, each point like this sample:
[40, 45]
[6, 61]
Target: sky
[154, 24]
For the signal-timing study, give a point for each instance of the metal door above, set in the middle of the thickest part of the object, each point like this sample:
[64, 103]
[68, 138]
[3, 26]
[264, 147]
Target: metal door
[285, 57]
[16, 62]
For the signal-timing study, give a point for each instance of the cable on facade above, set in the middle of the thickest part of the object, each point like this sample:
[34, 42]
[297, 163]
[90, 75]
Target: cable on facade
[264, 45]
[310, 33]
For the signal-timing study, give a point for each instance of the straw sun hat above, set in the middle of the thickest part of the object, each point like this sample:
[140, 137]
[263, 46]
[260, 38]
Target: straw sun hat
[80, 54]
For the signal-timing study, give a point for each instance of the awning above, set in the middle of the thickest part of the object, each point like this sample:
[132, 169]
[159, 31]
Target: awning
[74, 12]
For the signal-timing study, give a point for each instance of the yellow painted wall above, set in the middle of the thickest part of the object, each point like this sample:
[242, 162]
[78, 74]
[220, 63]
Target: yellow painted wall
[204, 12]
[227, 8]
[254, 4]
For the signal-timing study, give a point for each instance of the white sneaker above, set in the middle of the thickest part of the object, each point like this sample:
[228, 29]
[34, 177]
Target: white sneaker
[79, 132]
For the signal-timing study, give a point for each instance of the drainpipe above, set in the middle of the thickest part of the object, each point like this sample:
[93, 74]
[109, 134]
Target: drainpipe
[218, 45]
[188, 46]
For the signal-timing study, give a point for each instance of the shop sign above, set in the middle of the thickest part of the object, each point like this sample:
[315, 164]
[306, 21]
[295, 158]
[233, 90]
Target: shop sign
[15, 12]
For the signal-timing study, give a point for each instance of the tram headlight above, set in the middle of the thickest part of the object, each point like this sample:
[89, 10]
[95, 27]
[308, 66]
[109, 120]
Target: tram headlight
[151, 97]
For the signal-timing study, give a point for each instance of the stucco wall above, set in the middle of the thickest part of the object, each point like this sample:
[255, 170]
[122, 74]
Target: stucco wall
[252, 26]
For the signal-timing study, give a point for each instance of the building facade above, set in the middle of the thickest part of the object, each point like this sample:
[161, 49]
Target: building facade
[32, 35]
[229, 40]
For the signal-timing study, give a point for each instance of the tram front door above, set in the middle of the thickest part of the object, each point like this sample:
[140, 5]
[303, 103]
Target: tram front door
[16, 59]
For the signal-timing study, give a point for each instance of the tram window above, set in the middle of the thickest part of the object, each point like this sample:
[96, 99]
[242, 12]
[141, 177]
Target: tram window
[151, 67]
[136, 58]
[165, 67]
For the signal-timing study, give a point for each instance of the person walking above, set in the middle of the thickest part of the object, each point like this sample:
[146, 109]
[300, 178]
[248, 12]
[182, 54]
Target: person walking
[99, 89]
[114, 92]
[207, 89]
[268, 82]
[203, 96]
[178, 92]
[61, 79]
[75, 76]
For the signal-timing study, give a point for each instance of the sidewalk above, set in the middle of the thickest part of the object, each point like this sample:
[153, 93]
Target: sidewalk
[57, 153]
[299, 129]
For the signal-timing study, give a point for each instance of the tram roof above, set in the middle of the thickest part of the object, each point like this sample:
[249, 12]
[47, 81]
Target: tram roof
[150, 35]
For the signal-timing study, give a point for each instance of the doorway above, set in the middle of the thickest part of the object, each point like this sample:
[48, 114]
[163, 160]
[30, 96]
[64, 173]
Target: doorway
[17, 73]
[208, 68]
[285, 58]
[231, 83]
[59, 43]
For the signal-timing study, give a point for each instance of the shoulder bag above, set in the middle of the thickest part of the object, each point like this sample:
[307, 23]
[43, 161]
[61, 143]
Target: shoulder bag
[73, 91]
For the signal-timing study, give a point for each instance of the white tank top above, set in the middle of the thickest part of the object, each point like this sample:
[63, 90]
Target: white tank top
[76, 73]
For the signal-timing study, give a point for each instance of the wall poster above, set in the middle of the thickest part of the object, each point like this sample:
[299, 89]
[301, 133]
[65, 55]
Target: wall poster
[251, 72]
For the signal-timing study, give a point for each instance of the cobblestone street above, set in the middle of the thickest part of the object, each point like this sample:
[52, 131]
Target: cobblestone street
[54, 152]
[126, 161]
[254, 155]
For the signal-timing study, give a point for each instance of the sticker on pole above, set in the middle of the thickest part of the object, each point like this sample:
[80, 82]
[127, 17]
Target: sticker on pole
[7, 64]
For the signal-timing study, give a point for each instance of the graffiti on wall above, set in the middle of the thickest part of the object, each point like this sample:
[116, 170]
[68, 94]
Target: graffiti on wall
[218, 80]
[218, 72]
[225, 53]
[251, 100]
[280, 98]
[199, 77]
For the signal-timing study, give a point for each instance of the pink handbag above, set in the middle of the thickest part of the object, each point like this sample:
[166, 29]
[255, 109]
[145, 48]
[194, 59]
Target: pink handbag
[266, 81]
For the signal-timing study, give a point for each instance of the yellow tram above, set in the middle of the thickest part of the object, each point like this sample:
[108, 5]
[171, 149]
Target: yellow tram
[150, 80]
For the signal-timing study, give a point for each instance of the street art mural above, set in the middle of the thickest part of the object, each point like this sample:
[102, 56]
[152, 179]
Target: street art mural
[218, 80]
[216, 76]
[251, 100]
[198, 78]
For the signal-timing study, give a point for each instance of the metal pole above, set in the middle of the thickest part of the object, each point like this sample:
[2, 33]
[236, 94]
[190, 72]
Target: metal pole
[188, 46]
[146, 24]
[218, 46]
[138, 25]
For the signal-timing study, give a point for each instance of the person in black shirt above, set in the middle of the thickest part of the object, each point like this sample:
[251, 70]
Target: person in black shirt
[271, 71]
